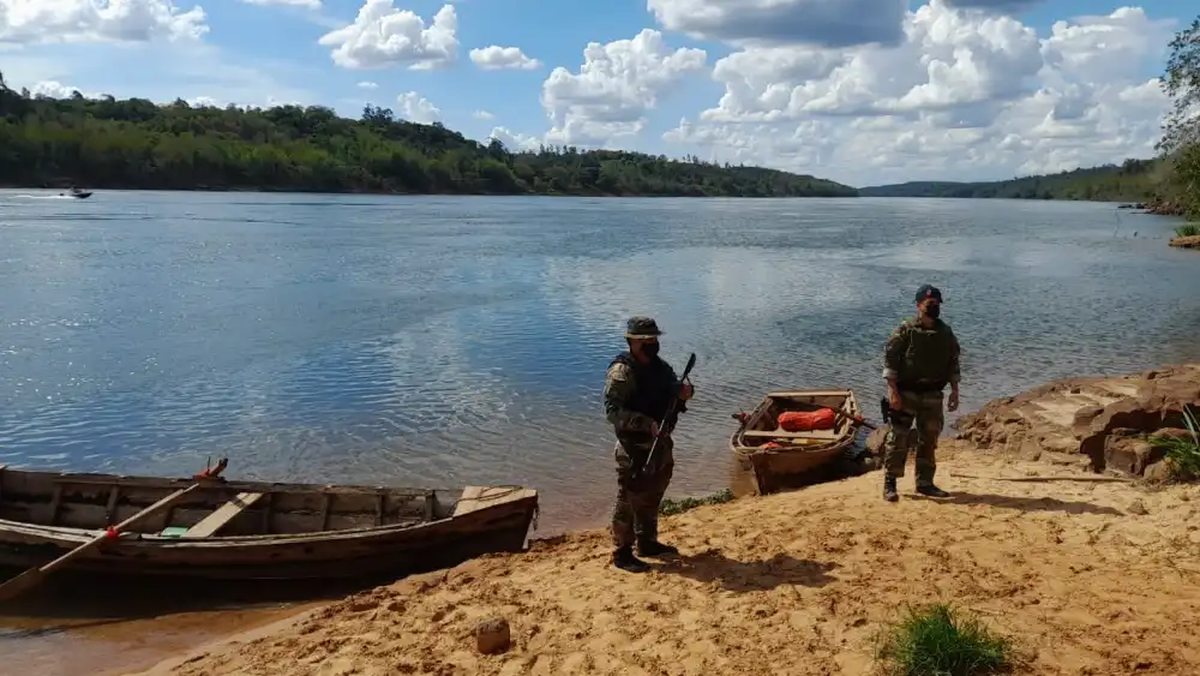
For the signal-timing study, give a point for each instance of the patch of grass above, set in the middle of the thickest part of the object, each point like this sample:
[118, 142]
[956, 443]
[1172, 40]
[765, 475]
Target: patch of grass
[934, 640]
[1183, 455]
[1187, 230]
[668, 507]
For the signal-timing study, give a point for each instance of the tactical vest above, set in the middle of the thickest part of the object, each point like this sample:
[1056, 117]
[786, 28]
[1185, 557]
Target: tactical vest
[925, 366]
[654, 386]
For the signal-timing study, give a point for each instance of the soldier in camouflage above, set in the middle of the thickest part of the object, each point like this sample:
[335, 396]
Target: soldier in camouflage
[638, 388]
[921, 358]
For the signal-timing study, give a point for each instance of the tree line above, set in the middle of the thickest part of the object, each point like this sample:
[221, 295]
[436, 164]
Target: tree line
[134, 143]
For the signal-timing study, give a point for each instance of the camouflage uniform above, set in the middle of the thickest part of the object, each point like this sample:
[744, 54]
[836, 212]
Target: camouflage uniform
[922, 361]
[637, 396]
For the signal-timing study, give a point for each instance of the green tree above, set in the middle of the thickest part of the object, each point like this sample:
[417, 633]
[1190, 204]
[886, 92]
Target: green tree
[134, 143]
[1180, 143]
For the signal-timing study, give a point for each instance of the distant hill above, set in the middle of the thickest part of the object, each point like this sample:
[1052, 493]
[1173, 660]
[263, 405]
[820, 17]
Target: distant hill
[1131, 181]
[135, 143]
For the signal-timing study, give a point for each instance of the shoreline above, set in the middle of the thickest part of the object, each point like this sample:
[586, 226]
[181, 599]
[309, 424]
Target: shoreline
[805, 577]
[1148, 208]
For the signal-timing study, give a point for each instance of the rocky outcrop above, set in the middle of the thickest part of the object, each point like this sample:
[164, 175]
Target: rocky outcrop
[1192, 242]
[1098, 422]
[1163, 207]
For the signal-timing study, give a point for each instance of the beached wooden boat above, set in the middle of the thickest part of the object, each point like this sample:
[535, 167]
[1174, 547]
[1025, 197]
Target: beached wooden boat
[773, 456]
[253, 530]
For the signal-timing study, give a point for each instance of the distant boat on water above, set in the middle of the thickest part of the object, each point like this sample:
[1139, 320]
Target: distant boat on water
[80, 194]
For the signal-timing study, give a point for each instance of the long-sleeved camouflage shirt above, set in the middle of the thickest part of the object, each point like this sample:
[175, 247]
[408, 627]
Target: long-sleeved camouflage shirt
[918, 356]
[620, 386]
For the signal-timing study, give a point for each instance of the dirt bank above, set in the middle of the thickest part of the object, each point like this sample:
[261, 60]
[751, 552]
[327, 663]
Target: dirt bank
[1192, 242]
[1092, 578]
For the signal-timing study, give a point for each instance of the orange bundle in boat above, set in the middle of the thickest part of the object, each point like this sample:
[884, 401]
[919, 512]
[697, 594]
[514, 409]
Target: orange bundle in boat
[804, 421]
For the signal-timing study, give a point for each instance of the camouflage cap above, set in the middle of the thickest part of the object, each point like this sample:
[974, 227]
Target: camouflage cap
[642, 327]
[928, 291]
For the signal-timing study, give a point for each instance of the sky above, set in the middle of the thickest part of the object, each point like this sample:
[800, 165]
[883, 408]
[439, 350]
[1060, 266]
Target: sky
[859, 91]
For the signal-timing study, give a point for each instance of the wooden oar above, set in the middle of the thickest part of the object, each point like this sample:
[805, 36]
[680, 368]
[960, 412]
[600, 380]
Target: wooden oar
[34, 576]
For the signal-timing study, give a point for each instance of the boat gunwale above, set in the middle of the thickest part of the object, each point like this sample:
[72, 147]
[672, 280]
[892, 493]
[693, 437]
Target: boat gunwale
[81, 535]
[514, 496]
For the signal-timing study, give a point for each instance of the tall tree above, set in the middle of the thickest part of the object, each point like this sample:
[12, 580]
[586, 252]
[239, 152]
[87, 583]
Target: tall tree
[1180, 143]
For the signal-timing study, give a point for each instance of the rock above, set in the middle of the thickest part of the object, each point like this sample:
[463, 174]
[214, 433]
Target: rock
[1105, 420]
[1030, 450]
[1129, 454]
[1136, 507]
[1159, 472]
[1083, 419]
[1173, 433]
[492, 636]
[1192, 242]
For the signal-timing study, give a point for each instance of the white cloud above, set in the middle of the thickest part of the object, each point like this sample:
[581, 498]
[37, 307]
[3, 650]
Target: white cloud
[515, 141]
[57, 90]
[58, 21]
[162, 72]
[483, 115]
[383, 36]
[968, 93]
[614, 88]
[417, 108]
[310, 4]
[503, 58]
[368, 85]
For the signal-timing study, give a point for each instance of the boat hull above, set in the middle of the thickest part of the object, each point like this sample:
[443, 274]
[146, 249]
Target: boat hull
[774, 469]
[489, 520]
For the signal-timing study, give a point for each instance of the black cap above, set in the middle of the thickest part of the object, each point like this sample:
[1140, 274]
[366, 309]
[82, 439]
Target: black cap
[929, 291]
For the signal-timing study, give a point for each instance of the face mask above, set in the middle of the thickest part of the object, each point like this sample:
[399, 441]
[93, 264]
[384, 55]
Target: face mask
[933, 310]
[650, 349]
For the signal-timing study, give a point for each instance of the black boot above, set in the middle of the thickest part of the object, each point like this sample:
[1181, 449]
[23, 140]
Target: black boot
[889, 488]
[932, 491]
[624, 559]
[655, 548]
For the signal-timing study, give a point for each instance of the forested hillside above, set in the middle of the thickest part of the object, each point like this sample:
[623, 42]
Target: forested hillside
[1134, 180]
[134, 143]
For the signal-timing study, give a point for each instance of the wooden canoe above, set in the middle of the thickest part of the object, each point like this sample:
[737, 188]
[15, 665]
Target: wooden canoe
[255, 530]
[798, 453]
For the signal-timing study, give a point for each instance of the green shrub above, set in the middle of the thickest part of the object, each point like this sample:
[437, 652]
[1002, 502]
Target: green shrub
[1187, 230]
[933, 640]
[668, 507]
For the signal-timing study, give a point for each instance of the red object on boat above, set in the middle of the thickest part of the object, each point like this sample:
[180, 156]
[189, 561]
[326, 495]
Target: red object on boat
[804, 421]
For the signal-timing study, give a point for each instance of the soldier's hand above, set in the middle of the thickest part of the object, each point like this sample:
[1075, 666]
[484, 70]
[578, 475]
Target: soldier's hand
[952, 401]
[685, 392]
[654, 429]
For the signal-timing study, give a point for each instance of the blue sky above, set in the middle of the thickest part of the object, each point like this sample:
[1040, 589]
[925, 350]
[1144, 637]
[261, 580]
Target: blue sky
[861, 91]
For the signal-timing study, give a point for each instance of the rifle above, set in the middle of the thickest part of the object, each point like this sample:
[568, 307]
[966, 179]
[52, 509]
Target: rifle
[667, 424]
[885, 408]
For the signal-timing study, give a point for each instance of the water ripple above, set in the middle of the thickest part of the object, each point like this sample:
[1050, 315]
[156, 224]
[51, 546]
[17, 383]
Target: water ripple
[465, 341]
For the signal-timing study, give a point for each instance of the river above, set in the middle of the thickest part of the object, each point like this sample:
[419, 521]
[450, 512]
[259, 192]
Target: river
[441, 341]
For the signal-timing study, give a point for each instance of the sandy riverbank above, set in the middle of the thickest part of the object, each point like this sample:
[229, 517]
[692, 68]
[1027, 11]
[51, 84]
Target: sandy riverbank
[1090, 578]
[1192, 242]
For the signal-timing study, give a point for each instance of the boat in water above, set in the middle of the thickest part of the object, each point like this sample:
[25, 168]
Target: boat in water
[792, 434]
[77, 193]
[212, 528]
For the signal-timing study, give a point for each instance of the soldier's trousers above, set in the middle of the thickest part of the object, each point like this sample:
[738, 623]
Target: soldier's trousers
[925, 410]
[636, 510]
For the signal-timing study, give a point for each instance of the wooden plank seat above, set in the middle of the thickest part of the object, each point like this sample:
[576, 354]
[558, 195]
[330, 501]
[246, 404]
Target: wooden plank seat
[209, 525]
